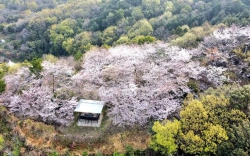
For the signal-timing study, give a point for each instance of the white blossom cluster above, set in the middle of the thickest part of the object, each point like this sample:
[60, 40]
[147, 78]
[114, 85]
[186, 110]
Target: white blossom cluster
[142, 82]
[138, 83]
[30, 96]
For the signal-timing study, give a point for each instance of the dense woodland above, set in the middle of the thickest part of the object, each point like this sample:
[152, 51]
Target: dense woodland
[60, 27]
[176, 69]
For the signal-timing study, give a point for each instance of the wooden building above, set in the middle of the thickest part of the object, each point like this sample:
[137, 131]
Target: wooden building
[90, 112]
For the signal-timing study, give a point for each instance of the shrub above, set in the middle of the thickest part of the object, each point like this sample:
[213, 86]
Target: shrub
[3, 69]
[1, 142]
[192, 84]
[2, 86]
[129, 151]
[143, 39]
[36, 65]
[85, 153]
[240, 53]
[117, 154]
[78, 55]
[240, 98]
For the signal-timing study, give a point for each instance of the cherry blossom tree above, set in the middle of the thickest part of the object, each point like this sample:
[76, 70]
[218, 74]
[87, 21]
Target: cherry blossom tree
[220, 46]
[223, 41]
[19, 80]
[33, 97]
[141, 82]
[138, 83]
[58, 77]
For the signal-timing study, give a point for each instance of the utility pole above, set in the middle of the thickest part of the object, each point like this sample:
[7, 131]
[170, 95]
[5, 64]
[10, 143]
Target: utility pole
[53, 82]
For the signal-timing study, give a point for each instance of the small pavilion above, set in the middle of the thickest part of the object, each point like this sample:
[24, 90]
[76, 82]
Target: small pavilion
[90, 112]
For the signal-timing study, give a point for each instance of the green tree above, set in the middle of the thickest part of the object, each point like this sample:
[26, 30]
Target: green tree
[151, 8]
[3, 69]
[61, 32]
[169, 6]
[194, 117]
[85, 153]
[1, 27]
[213, 136]
[143, 39]
[200, 135]
[110, 19]
[238, 143]
[196, 134]
[129, 151]
[223, 111]
[68, 45]
[187, 40]
[117, 154]
[2, 6]
[122, 40]
[179, 31]
[194, 86]
[137, 13]
[119, 14]
[164, 140]
[240, 99]
[109, 35]
[2, 85]
[36, 67]
[79, 44]
[142, 27]
[225, 90]
[217, 108]
[32, 6]
[1, 142]
[192, 143]
[186, 9]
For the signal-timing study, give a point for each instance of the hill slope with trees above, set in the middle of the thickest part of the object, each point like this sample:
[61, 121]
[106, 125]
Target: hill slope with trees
[36, 27]
[144, 83]
[175, 71]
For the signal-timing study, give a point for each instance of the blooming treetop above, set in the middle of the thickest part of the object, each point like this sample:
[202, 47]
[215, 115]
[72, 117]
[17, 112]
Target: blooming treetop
[138, 83]
[30, 96]
[141, 82]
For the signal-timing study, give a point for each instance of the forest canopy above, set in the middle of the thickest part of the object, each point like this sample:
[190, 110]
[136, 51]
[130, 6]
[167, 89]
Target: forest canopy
[65, 27]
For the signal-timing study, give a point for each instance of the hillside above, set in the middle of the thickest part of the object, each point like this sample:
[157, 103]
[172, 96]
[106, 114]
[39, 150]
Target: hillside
[36, 27]
[141, 84]
[174, 75]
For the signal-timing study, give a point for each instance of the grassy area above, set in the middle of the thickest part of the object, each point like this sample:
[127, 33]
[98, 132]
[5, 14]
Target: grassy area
[8, 131]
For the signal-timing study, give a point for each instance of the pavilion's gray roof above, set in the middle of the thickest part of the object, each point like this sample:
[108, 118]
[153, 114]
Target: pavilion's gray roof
[89, 106]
